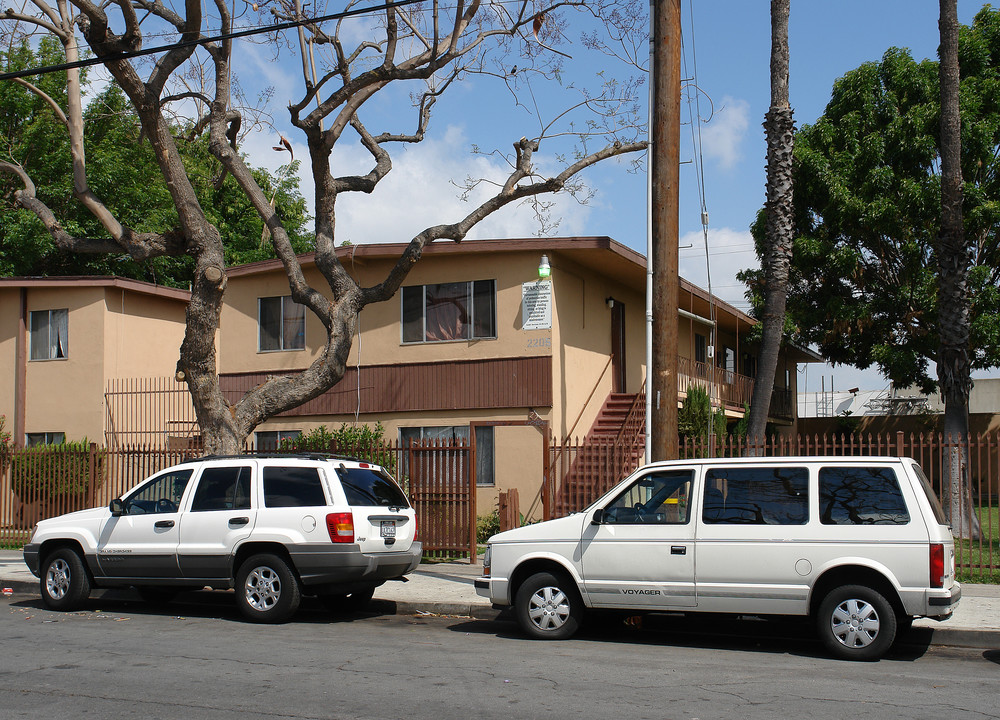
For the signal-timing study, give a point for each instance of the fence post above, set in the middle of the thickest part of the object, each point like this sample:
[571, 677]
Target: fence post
[91, 475]
[899, 443]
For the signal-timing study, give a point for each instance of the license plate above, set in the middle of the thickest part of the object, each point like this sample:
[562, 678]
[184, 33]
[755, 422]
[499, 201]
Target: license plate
[388, 528]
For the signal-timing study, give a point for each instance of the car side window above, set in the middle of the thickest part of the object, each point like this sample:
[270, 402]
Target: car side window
[162, 494]
[660, 498]
[292, 487]
[222, 488]
[861, 496]
[756, 496]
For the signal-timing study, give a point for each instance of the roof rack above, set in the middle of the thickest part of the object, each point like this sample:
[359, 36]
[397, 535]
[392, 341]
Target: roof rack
[277, 456]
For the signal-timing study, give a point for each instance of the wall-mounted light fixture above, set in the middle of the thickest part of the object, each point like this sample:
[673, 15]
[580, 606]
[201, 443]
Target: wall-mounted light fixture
[544, 269]
[610, 302]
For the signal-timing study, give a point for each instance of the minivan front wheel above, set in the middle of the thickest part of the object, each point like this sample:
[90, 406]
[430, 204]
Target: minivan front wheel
[856, 622]
[548, 607]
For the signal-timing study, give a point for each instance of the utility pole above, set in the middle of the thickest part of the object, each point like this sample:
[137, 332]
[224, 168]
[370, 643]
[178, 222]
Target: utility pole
[665, 29]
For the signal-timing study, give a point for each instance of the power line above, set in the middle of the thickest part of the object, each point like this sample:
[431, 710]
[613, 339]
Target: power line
[205, 40]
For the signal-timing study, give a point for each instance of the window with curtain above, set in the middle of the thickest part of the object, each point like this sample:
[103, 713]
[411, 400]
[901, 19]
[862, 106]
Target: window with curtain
[282, 324]
[49, 334]
[449, 311]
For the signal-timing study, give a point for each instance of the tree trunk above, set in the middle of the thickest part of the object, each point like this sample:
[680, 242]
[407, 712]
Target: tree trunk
[954, 370]
[779, 127]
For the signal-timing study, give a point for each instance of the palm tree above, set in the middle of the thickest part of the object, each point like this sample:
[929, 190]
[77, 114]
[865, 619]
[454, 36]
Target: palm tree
[777, 253]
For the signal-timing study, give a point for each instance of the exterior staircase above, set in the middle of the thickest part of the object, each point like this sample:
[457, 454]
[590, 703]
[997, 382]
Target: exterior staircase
[612, 448]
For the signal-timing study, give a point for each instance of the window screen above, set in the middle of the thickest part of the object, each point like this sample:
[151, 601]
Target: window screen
[449, 311]
[292, 487]
[860, 496]
[756, 496]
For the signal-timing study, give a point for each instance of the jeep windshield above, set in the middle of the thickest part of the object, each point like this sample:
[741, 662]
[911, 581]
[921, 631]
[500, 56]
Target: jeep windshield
[370, 486]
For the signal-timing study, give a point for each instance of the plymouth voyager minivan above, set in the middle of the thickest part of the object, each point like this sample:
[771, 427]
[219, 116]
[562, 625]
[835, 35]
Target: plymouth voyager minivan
[860, 544]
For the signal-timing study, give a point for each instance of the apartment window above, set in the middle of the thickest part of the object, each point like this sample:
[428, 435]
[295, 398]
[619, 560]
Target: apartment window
[44, 438]
[449, 311]
[49, 331]
[282, 323]
[457, 434]
[700, 348]
[269, 440]
[750, 365]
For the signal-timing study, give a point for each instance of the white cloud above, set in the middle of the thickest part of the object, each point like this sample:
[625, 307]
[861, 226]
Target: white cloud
[722, 138]
[419, 191]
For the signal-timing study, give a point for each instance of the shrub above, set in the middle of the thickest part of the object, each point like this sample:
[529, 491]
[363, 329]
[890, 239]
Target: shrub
[487, 526]
[363, 442]
[46, 472]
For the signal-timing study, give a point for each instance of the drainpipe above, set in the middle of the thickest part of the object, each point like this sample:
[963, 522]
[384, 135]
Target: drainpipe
[21, 370]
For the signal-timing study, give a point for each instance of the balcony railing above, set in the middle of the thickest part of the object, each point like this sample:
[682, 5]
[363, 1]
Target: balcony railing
[729, 389]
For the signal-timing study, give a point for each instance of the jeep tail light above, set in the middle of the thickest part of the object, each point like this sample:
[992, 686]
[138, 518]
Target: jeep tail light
[937, 565]
[341, 527]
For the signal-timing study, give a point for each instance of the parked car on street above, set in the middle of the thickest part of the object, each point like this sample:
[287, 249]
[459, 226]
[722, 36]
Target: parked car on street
[860, 544]
[272, 527]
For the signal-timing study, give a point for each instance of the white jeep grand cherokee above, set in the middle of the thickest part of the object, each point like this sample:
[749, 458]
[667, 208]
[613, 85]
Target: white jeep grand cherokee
[272, 527]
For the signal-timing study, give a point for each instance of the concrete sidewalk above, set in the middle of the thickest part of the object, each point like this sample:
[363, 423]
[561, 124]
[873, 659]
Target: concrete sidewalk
[447, 589]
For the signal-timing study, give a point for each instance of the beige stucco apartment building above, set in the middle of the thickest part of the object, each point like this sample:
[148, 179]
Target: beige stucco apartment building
[476, 344]
[63, 339]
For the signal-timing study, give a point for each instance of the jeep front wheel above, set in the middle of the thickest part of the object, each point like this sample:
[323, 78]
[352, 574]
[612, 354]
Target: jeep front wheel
[267, 590]
[65, 584]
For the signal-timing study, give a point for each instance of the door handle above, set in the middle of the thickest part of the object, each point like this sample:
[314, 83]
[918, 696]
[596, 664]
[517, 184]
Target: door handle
[237, 521]
[678, 550]
[163, 523]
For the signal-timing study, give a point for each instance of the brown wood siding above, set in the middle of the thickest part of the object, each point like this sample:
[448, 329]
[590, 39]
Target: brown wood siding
[459, 385]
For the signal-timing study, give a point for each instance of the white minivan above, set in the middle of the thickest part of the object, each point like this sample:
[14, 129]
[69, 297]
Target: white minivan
[860, 544]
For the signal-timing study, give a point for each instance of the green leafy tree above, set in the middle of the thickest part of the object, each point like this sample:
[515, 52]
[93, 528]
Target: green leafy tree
[863, 285]
[123, 170]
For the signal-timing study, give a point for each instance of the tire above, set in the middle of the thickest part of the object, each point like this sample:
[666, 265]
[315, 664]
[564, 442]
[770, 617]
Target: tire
[351, 602]
[856, 622]
[548, 607]
[65, 584]
[267, 590]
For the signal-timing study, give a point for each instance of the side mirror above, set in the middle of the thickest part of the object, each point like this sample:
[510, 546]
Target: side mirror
[117, 507]
[598, 518]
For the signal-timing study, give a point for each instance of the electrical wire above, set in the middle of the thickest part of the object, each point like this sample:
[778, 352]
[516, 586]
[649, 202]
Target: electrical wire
[205, 40]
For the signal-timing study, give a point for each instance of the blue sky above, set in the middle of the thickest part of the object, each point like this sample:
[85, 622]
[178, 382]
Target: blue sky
[732, 43]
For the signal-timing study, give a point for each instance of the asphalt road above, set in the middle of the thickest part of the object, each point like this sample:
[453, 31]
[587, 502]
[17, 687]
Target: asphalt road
[195, 659]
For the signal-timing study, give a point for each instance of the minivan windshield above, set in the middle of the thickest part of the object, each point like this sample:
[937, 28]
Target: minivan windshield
[370, 486]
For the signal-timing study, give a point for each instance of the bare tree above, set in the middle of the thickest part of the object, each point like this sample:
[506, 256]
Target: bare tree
[777, 249]
[425, 44]
[954, 258]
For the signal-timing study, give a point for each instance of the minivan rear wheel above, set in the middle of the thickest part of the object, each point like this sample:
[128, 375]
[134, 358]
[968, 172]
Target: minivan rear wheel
[856, 622]
[548, 607]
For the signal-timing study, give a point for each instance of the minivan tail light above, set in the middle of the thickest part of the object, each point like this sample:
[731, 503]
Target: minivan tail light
[937, 565]
[341, 527]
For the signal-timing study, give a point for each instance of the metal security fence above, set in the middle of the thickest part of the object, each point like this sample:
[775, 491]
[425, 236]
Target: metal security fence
[43, 482]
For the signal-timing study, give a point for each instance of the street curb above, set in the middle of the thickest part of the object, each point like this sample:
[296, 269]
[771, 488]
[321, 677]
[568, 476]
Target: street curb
[918, 636]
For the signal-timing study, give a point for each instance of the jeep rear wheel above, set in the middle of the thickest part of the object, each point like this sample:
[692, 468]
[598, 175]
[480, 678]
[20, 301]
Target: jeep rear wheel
[856, 622]
[548, 607]
[65, 584]
[267, 590]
